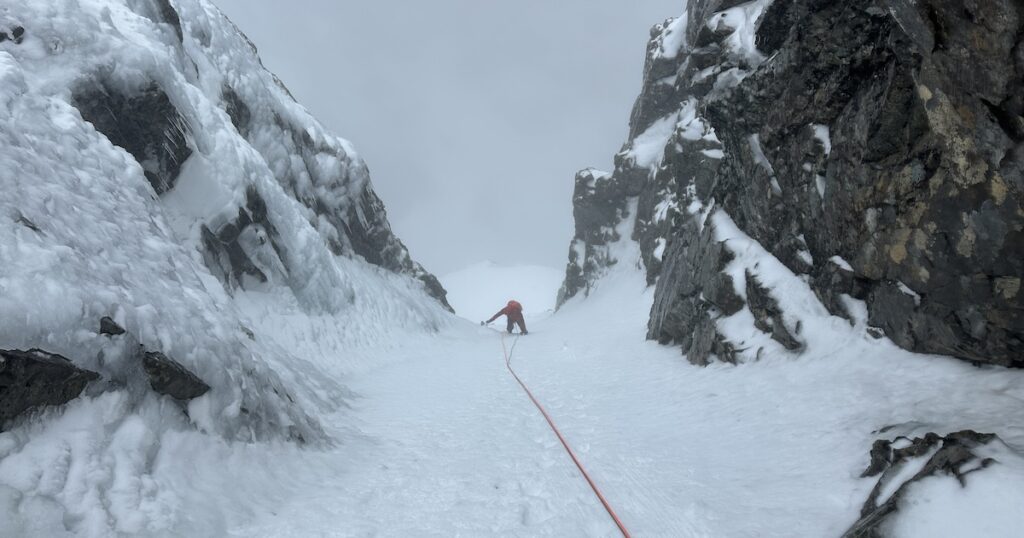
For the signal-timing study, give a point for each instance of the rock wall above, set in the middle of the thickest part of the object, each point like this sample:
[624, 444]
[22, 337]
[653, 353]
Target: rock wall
[875, 148]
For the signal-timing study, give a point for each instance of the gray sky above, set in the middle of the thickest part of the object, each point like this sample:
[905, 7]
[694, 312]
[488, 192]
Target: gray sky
[473, 115]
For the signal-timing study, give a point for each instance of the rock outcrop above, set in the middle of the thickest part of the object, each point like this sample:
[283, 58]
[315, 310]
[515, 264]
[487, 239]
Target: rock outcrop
[144, 122]
[33, 379]
[167, 376]
[875, 148]
[163, 374]
[599, 204]
[954, 456]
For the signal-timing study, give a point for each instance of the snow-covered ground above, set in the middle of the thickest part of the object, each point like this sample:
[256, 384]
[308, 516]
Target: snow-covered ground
[442, 442]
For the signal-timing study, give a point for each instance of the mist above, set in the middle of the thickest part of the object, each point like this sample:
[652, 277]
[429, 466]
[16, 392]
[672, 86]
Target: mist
[472, 116]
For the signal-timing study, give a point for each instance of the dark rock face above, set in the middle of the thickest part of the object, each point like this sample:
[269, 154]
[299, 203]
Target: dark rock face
[875, 147]
[371, 237]
[632, 192]
[34, 378]
[145, 124]
[951, 455]
[920, 187]
[599, 203]
[167, 376]
[703, 293]
[643, 194]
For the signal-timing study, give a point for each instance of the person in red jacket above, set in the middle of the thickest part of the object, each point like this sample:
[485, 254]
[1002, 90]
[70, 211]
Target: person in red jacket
[513, 311]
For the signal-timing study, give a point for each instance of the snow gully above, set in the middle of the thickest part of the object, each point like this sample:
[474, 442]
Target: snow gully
[508, 351]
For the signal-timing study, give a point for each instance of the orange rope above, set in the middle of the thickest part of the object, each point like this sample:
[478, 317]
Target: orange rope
[593, 486]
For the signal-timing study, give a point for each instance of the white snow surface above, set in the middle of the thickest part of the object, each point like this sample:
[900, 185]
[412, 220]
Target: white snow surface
[988, 504]
[478, 291]
[440, 441]
[672, 38]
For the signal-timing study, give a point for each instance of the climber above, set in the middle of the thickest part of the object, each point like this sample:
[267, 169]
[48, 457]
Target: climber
[514, 312]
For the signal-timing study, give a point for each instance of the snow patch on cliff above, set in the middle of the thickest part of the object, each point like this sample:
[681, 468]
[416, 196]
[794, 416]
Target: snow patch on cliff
[648, 148]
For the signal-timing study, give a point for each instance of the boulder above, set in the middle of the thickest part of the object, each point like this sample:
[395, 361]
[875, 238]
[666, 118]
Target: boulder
[169, 377]
[34, 378]
[110, 327]
[599, 203]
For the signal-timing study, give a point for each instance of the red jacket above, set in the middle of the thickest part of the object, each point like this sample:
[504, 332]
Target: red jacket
[513, 310]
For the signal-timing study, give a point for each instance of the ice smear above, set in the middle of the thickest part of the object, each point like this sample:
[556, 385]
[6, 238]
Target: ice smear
[821, 134]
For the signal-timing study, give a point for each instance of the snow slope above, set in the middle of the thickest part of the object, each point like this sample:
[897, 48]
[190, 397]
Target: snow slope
[448, 445]
[478, 291]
